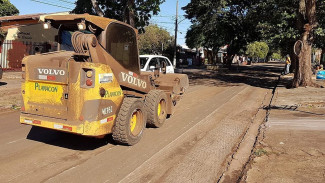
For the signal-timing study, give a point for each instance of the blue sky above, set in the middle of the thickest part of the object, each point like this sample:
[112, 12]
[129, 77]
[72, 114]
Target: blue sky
[165, 19]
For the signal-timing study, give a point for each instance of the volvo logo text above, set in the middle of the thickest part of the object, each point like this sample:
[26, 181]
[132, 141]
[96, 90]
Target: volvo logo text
[133, 80]
[51, 72]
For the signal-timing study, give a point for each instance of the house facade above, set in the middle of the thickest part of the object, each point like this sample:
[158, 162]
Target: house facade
[24, 35]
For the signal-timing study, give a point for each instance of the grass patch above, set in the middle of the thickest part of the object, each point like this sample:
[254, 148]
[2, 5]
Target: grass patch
[15, 107]
[260, 152]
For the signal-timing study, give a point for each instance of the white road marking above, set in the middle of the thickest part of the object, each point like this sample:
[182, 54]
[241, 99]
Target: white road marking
[15, 141]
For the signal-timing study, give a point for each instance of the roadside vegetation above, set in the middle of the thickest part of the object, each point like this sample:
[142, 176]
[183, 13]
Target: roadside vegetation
[257, 50]
[136, 13]
[6, 9]
[279, 23]
[155, 40]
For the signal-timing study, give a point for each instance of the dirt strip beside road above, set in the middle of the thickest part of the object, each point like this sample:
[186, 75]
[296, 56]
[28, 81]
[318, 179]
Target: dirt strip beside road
[291, 147]
[10, 93]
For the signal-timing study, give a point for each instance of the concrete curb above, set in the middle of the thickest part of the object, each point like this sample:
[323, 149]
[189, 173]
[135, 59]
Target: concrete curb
[243, 153]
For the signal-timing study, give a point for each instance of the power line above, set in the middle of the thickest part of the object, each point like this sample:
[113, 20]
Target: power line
[165, 23]
[171, 23]
[68, 2]
[167, 15]
[50, 4]
[63, 3]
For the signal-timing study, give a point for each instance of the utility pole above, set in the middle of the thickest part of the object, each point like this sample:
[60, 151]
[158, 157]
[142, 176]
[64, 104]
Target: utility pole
[176, 30]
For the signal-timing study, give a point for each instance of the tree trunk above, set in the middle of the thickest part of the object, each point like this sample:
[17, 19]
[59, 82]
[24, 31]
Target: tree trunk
[129, 13]
[98, 11]
[210, 57]
[303, 71]
[294, 61]
[214, 56]
[322, 58]
[230, 56]
[293, 58]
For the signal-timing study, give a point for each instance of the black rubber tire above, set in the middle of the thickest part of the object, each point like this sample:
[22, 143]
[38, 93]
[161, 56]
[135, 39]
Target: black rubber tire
[151, 103]
[122, 131]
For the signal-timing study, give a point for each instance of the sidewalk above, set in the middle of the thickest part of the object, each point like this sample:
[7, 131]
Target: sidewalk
[10, 91]
[291, 146]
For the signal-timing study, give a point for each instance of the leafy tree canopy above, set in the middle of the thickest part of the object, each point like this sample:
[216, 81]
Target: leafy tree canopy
[7, 9]
[154, 40]
[240, 22]
[277, 23]
[282, 22]
[219, 23]
[257, 49]
[276, 56]
[139, 11]
[194, 37]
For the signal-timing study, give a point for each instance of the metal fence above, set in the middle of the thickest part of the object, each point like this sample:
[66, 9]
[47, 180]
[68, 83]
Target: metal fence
[12, 52]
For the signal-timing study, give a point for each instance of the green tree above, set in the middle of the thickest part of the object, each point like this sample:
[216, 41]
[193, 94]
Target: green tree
[278, 22]
[137, 13]
[194, 37]
[276, 56]
[155, 40]
[257, 49]
[221, 22]
[7, 9]
[306, 23]
[319, 31]
[283, 22]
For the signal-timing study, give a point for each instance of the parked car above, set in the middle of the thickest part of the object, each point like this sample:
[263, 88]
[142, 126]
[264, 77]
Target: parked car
[149, 62]
[1, 72]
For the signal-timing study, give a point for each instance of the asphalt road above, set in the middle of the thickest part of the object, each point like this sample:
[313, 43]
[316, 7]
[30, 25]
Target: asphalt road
[194, 144]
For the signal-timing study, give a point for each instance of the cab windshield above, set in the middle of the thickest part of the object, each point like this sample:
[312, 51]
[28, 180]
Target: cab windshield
[143, 61]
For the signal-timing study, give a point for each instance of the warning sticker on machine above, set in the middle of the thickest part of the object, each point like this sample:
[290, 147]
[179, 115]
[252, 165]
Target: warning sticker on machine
[106, 78]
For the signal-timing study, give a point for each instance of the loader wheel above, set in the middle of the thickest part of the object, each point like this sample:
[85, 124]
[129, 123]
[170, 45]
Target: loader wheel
[156, 105]
[130, 122]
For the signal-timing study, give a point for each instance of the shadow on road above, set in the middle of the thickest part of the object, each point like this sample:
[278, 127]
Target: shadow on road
[259, 75]
[295, 108]
[3, 83]
[67, 140]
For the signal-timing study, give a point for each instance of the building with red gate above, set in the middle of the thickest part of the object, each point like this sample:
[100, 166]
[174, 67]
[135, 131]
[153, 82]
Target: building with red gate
[24, 35]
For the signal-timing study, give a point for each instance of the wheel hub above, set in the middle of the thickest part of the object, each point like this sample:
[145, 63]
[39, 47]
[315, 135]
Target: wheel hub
[133, 121]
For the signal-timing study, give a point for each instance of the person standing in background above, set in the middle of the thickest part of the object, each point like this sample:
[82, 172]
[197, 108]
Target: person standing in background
[287, 66]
